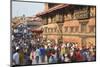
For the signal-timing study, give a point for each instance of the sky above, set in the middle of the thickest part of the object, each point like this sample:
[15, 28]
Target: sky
[26, 8]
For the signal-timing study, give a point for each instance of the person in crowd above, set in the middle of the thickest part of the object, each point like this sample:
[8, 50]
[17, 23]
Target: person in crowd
[32, 56]
[42, 53]
[48, 53]
[13, 50]
[93, 56]
[78, 56]
[16, 57]
[58, 54]
[62, 58]
[93, 52]
[63, 49]
[55, 57]
[85, 53]
[54, 54]
[27, 56]
[21, 56]
[71, 54]
[52, 58]
[37, 54]
[67, 59]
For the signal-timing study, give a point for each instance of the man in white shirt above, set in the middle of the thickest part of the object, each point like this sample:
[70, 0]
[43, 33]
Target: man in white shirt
[16, 57]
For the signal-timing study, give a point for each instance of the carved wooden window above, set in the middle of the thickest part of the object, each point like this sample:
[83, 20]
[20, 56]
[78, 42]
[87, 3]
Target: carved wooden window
[45, 21]
[92, 11]
[55, 29]
[66, 29]
[92, 28]
[83, 27]
[68, 17]
[71, 29]
[76, 28]
[49, 20]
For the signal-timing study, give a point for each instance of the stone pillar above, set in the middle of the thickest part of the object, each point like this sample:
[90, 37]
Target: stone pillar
[60, 39]
[83, 41]
[83, 31]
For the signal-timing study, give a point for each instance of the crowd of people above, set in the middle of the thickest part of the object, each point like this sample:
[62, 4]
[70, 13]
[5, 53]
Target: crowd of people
[29, 51]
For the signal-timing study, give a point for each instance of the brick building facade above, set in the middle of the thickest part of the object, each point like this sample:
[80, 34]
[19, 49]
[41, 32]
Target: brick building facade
[69, 23]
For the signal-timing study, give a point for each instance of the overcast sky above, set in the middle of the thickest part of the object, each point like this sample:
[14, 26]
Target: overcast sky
[27, 8]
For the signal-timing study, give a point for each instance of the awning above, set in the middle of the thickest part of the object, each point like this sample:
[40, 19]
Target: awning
[37, 31]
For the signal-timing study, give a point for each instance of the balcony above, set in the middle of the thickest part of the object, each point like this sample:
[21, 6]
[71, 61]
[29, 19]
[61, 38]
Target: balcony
[81, 14]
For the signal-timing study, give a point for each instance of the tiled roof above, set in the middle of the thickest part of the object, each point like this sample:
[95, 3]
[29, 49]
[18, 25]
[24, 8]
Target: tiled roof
[53, 9]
